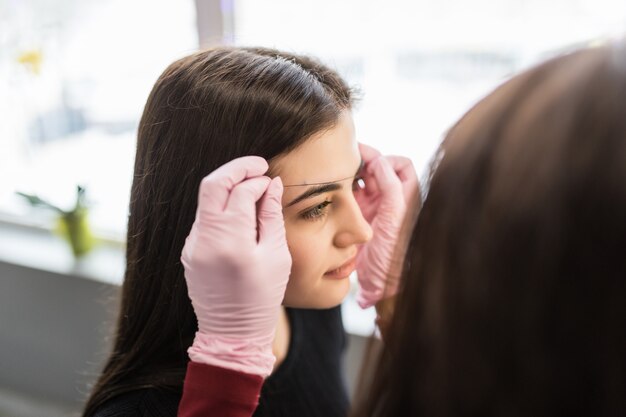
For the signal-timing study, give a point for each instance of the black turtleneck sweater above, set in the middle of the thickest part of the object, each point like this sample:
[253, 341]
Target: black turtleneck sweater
[309, 382]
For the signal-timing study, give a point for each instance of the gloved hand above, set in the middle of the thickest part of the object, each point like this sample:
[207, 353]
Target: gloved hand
[390, 185]
[237, 265]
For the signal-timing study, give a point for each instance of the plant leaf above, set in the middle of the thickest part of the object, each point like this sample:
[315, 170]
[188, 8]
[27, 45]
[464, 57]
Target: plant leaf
[35, 201]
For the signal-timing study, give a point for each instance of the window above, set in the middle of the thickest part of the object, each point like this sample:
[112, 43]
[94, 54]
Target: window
[74, 76]
[422, 64]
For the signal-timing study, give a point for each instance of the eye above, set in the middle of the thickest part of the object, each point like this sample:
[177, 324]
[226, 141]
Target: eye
[317, 212]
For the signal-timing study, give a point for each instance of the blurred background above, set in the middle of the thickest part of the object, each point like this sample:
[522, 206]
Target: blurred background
[74, 76]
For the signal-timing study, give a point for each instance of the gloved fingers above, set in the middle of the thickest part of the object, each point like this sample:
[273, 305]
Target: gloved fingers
[244, 196]
[216, 187]
[403, 167]
[368, 153]
[387, 180]
[270, 213]
[371, 189]
[367, 204]
[406, 172]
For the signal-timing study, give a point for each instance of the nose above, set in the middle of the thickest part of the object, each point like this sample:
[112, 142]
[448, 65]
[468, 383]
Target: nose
[352, 228]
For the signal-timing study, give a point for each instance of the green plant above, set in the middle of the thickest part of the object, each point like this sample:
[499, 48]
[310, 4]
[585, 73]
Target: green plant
[73, 224]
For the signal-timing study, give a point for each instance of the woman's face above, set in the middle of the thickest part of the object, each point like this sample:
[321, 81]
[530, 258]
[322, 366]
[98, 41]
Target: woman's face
[323, 221]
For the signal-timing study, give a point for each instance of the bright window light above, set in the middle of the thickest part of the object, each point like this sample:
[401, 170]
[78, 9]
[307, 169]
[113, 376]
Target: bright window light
[74, 75]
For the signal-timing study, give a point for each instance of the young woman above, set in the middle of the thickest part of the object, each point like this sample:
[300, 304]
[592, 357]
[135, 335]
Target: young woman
[512, 299]
[205, 110]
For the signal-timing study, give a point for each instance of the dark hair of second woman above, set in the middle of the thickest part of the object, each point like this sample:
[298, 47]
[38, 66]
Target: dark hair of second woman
[205, 110]
[514, 288]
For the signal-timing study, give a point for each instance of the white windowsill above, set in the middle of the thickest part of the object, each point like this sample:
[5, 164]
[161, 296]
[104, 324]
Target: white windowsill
[39, 249]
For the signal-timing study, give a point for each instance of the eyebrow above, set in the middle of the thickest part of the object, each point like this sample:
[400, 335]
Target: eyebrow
[311, 192]
[322, 188]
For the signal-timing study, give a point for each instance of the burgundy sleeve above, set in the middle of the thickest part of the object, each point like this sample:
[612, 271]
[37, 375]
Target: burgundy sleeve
[214, 391]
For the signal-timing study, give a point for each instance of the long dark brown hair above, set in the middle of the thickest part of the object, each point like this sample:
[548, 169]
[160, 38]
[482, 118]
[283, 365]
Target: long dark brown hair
[513, 300]
[204, 110]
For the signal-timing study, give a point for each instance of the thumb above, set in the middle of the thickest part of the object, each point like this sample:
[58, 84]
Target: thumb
[270, 213]
[388, 182]
[408, 177]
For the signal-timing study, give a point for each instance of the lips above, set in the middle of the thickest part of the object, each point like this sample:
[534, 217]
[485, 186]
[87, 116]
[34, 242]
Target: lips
[342, 271]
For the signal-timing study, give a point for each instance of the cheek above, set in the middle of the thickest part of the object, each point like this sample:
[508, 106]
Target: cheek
[311, 251]
[307, 251]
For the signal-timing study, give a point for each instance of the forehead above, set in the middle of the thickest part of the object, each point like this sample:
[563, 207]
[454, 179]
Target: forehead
[328, 156]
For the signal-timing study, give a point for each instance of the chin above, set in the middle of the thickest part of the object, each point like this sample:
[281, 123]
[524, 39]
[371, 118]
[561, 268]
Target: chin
[326, 296]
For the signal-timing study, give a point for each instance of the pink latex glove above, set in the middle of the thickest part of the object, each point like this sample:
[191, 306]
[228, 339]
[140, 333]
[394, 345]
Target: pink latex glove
[390, 184]
[237, 265]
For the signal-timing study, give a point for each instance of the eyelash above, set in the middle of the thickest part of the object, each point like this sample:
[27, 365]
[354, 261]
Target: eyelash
[319, 211]
[316, 213]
